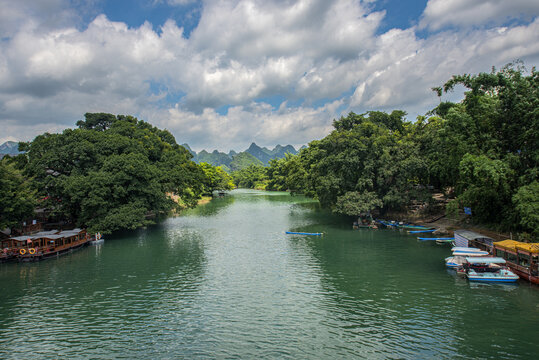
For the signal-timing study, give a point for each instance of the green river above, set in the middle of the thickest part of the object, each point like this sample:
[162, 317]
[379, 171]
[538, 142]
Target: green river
[225, 281]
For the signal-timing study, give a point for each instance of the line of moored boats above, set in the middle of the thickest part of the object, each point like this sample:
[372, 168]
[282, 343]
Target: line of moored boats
[479, 257]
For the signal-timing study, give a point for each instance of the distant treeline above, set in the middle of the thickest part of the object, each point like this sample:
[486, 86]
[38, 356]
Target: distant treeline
[483, 152]
[113, 172]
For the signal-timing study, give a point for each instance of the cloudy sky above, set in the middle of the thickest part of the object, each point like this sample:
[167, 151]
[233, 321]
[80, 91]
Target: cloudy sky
[220, 74]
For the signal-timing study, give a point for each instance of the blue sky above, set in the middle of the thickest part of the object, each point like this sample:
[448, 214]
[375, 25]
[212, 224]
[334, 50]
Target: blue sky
[224, 73]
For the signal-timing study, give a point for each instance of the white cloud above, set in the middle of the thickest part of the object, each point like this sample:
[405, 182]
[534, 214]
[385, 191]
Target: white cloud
[441, 13]
[309, 52]
[244, 124]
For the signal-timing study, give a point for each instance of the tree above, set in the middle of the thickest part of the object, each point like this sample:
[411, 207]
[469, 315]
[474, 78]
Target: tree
[251, 177]
[17, 199]
[114, 172]
[354, 203]
[215, 178]
[526, 201]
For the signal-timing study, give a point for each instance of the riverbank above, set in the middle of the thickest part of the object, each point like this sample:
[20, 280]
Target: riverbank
[446, 226]
[177, 199]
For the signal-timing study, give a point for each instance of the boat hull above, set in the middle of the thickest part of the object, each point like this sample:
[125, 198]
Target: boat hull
[525, 275]
[493, 280]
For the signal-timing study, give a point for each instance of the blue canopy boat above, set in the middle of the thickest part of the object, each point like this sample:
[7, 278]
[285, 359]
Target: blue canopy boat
[302, 233]
[422, 231]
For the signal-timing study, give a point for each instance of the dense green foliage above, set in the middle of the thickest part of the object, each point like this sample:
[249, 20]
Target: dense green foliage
[483, 151]
[251, 177]
[244, 160]
[17, 200]
[114, 172]
[216, 179]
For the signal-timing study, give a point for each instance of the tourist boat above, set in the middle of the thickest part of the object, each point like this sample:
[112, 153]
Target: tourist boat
[522, 258]
[459, 257]
[43, 244]
[488, 269]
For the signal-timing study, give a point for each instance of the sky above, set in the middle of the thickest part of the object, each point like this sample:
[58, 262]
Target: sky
[220, 74]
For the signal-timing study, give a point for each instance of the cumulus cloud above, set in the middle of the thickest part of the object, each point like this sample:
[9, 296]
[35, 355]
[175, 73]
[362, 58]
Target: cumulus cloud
[241, 125]
[325, 57]
[441, 13]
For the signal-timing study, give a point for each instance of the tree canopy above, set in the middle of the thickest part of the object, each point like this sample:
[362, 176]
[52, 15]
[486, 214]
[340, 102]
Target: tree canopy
[483, 150]
[113, 172]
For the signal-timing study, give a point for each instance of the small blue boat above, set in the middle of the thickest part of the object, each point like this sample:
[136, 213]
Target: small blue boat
[433, 239]
[302, 233]
[422, 231]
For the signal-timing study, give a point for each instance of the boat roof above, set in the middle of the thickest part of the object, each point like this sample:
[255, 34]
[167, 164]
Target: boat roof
[462, 248]
[472, 235]
[69, 233]
[482, 260]
[513, 245]
[471, 253]
[530, 247]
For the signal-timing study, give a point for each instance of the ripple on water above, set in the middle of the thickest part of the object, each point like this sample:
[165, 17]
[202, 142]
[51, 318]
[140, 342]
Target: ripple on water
[226, 282]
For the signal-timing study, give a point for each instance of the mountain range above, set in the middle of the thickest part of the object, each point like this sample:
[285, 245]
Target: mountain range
[9, 148]
[254, 155]
[235, 161]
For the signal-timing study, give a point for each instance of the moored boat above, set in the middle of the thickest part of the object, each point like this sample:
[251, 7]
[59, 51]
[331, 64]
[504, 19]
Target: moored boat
[488, 269]
[459, 257]
[422, 231]
[97, 239]
[43, 244]
[302, 233]
[522, 258]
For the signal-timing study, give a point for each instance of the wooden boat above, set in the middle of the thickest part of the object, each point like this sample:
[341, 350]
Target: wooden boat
[488, 269]
[302, 233]
[43, 244]
[522, 258]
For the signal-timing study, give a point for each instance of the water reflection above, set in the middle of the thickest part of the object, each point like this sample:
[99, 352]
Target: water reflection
[225, 281]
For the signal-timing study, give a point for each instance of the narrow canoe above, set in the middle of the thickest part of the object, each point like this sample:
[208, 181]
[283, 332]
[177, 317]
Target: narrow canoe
[434, 239]
[422, 231]
[302, 233]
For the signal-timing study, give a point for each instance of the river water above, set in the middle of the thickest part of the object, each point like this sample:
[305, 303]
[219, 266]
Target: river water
[224, 281]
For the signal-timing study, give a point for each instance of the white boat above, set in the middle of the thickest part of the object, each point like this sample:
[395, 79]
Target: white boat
[97, 240]
[459, 257]
[488, 269]
[464, 249]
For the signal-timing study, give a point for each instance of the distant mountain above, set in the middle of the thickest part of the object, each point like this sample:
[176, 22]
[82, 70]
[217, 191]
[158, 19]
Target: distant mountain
[231, 161]
[280, 151]
[9, 148]
[259, 153]
[243, 160]
[214, 158]
[189, 149]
